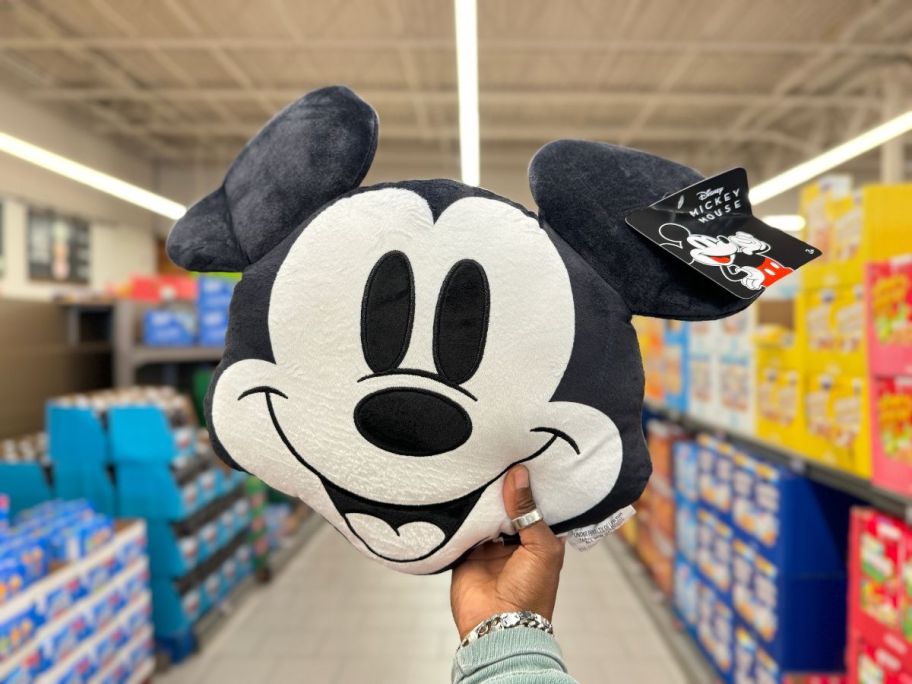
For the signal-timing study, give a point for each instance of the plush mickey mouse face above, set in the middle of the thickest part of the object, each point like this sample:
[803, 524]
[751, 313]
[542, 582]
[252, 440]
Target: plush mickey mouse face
[394, 350]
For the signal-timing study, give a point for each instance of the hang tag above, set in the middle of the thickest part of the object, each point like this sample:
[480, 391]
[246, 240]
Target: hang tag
[585, 538]
[710, 227]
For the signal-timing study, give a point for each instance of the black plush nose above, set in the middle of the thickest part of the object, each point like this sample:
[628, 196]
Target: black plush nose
[412, 422]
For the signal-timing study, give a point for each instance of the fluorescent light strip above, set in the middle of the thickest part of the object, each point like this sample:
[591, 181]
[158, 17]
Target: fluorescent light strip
[467, 76]
[89, 176]
[830, 159]
[790, 223]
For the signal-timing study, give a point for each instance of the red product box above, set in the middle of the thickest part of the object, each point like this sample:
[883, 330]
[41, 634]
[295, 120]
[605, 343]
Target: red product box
[891, 432]
[880, 599]
[888, 293]
[163, 288]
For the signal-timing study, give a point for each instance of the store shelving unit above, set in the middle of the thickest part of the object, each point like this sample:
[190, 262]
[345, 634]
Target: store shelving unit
[129, 356]
[889, 502]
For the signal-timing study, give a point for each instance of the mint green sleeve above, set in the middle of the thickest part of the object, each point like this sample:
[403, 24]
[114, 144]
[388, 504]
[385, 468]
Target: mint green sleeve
[521, 655]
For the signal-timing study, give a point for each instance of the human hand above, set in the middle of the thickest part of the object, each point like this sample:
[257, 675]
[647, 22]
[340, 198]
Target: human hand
[496, 578]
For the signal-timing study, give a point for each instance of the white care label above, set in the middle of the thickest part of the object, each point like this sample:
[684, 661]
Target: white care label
[585, 538]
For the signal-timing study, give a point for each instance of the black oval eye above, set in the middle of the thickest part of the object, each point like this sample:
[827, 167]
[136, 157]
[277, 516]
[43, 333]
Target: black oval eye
[461, 322]
[387, 310]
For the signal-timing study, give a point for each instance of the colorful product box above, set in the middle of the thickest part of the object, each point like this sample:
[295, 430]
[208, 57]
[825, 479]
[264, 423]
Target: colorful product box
[737, 393]
[686, 470]
[715, 469]
[704, 336]
[675, 370]
[780, 397]
[889, 316]
[780, 511]
[704, 387]
[686, 528]
[714, 549]
[837, 420]
[778, 608]
[715, 629]
[686, 592]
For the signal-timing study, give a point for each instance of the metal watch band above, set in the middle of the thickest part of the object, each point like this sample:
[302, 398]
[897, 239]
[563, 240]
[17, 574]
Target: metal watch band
[523, 618]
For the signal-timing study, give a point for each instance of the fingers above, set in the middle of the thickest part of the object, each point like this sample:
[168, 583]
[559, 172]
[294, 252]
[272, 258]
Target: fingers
[518, 500]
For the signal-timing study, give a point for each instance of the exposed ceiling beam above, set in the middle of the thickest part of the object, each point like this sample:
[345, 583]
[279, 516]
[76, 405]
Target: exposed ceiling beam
[797, 77]
[447, 97]
[497, 132]
[283, 43]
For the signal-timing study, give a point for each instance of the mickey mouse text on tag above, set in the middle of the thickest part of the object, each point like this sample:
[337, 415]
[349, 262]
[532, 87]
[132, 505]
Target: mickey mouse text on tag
[710, 226]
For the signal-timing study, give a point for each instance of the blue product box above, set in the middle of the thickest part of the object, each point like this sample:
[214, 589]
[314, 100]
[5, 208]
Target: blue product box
[686, 475]
[686, 528]
[686, 592]
[168, 328]
[675, 366]
[714, 550]
[716, 629]
[214, 292]
[780, 610]
[714, 471]
[781, 511]
[213, 325]
[745, 665]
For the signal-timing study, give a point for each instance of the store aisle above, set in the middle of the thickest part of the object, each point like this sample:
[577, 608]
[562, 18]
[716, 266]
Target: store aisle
[334, 616]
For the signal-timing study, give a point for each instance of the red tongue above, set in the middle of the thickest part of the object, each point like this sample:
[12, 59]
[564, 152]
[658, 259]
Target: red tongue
[721, 259]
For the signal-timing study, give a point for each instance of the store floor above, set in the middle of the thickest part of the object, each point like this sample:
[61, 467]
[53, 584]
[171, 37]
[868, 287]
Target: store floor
[333, 616]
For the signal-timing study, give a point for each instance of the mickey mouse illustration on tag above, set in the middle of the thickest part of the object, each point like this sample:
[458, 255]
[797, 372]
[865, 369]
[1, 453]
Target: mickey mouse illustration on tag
[741, 257]
[710, 227]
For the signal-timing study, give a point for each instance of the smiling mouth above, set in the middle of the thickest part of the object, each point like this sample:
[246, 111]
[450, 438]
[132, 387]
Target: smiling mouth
[722, 259]
[400, 533]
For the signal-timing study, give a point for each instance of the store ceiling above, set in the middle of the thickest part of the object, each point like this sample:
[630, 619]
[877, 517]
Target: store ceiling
[712, 83]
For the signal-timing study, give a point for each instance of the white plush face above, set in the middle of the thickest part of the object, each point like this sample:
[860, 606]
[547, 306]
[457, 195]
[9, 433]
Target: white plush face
[415, 362]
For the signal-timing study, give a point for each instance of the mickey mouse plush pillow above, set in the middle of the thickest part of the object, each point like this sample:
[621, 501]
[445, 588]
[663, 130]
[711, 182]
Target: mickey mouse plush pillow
[394, 349]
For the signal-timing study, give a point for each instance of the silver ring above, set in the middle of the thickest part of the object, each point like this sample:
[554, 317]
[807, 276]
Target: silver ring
[523, 521]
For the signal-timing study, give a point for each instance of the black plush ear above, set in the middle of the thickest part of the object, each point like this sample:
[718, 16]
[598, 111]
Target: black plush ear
[311, 152]
[585, 190]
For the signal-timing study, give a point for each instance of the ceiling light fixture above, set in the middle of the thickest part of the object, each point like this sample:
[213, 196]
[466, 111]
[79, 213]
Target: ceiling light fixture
[832, 158]
[89, 176]
[790, 223]
[467, 78]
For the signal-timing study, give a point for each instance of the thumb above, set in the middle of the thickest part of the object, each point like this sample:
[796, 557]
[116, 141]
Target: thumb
[517, 495]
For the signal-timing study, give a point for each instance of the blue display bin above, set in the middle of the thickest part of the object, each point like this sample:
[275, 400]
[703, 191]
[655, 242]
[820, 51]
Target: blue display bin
[779, 608]
[781, 511]
[92, 483]
[76, 436]
[26, 484]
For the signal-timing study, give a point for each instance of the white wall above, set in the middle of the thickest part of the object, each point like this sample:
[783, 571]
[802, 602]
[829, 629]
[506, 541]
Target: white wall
[123, 238]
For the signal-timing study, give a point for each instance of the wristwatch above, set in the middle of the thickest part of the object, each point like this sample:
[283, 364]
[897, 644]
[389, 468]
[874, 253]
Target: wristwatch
[523, 618]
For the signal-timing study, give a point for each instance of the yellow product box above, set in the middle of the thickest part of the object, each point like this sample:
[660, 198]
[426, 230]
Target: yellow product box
[837, 424]
[853, 229]
[831, 322]
[779, 396]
